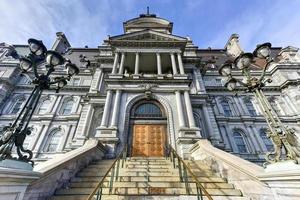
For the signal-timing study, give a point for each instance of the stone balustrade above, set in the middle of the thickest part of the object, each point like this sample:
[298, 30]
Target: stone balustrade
[56, 173]
[278, 181]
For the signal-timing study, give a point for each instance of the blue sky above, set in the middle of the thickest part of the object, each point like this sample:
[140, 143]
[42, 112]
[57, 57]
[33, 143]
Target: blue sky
[208, 22]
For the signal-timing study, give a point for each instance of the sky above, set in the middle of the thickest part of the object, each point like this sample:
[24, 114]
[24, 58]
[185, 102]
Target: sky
[209, 23]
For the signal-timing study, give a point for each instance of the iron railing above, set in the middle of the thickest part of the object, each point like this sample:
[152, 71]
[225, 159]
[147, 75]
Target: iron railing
[114, 175]
[184, 171]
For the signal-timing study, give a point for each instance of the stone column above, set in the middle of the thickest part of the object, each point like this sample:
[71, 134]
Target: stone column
[96, 80]
[41, 137]
[252, 140]
[121, 70]
[173, 64]
[261, 144]
[207, 119]
[56, 104]
[290, 104]
[137, 63]
[238, 106]
[63, 142]
[179, 109]
[84, 124]
[212, 125]
[115, 114]
[197, 84]
[158, 59]
[105, 115]
[189, 109]
[241, 102]
[114, 70]
[101, 82]
[181, 69]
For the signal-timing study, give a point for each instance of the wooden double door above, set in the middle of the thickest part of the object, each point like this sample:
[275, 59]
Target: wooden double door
[148, 140]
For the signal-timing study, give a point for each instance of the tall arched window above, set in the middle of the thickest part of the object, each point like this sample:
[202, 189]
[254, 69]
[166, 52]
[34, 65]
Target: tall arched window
[250, 107]
[239, 141]
[266, 140]
[148, 110]
[17, 106]
[52, 141]
[67, 106]
[226, 108]
[44, 107]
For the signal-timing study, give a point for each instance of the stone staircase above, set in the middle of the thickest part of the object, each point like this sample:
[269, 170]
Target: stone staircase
[146, 178]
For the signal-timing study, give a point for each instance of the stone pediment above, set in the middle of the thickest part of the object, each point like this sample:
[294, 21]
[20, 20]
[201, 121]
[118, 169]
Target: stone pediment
[148, 35]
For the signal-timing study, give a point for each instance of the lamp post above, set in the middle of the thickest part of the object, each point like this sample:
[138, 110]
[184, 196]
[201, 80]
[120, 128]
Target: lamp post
[281, 136]
[15, 134]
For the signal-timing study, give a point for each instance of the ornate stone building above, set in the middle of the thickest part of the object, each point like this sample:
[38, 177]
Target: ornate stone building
[147, 88]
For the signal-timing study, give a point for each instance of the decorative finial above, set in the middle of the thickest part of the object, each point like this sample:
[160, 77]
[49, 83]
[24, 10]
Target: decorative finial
[147, 10]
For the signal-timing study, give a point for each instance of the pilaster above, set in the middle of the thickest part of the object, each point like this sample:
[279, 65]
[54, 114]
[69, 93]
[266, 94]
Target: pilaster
[121, 69]
[96, 81]
[83, 125]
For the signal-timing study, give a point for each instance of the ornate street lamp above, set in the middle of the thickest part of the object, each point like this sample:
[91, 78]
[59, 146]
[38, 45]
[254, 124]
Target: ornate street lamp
[282, 137]
[15, 134]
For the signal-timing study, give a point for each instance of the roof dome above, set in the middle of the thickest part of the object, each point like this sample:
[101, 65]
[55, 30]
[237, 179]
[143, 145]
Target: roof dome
[148, 21]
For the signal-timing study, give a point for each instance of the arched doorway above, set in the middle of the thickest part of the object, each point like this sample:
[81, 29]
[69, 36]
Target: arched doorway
[148, 129]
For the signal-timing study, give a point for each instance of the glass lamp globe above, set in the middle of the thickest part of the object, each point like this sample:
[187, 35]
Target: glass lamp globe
[231, 84]
[244, 60]
[225, 69]
[263, 50]
[25, 64]
[72, 69]
[61, 82]
[36, 46]
[53, 58]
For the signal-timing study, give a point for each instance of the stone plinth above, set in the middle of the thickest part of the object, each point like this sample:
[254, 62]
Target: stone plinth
[187, 137]
[15, 178]
[284, 179]
[108, 137]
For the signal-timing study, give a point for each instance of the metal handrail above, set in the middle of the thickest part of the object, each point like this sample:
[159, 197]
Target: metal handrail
[186, 167]
[122, 155]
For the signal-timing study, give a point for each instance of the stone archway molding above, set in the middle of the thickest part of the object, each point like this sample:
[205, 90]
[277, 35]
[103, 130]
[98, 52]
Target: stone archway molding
[167, 107]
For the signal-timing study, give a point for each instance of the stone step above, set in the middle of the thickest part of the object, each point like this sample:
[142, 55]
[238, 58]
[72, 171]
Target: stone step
[95, 170]
[151, 179]
[128, 173]
[148, 197]
[149, 184]
[148, 166]
[147, 158]
[147, 190]
[151, 162]
[125, 172]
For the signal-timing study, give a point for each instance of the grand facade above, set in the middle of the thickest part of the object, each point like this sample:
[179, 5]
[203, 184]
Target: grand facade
[145, 89]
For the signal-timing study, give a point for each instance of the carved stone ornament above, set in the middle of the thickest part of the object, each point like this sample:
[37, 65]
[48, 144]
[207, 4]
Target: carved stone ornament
[288, 141]
[289, 54]
[233, 47]
[148, 86]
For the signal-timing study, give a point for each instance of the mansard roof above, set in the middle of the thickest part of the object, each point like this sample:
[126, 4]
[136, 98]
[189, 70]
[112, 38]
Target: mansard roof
[148, 38]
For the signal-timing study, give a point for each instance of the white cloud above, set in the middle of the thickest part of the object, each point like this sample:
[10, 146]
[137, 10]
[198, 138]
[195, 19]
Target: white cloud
[278, 23]
[83, 22]
[88, 22]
